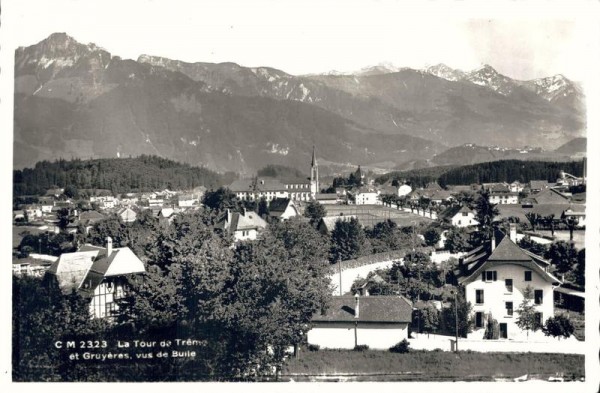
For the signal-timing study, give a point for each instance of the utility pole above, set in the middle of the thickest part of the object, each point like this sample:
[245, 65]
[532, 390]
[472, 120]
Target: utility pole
[340, 269]
[456, 321]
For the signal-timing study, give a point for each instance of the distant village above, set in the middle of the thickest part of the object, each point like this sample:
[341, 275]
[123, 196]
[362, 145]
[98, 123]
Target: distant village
[378, 298]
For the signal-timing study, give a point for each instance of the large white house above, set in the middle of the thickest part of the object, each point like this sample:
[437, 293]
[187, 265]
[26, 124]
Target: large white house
[367, 196]
[495, 278]
[97, 273]
[377, 321]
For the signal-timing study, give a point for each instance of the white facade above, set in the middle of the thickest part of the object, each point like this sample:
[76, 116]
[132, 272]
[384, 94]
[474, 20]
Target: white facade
[342, 335]
[103, 302]
[245, 234]
[464, 219]
[493, 295]
[367, 198]
[504, 199]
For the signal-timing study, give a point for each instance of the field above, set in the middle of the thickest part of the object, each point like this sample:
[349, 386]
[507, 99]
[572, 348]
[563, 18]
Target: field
[429, 366]
[369, 215]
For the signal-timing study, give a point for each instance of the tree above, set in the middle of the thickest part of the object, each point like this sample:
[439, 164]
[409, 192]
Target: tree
[526, 319]
[534, 219]
[221, 199]
[428, 318]
[579, 272]
[465, 324]
[563, 256]
[457, 240]
[549, 222]
[558, 326]
[314, 211]
[71, 191]
[571, 223]
[492, 329]
[432, 236]
[348, 241]
[485, 213]
[532, 246]
[263, 207]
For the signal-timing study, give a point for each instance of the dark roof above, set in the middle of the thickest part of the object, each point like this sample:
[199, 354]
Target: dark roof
[279, 204]
[507, 251]
[386, 309]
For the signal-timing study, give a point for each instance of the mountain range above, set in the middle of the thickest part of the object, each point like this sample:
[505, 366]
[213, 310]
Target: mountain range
[77, 100]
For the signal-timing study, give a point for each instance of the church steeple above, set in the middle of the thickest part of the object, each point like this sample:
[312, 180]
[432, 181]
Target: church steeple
[314, 174]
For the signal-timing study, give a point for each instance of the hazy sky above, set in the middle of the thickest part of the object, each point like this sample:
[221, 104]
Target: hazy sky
[314, 36]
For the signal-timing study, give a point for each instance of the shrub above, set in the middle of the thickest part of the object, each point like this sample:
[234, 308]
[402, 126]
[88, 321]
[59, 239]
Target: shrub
[492, 330]
[361, 348]
[401, 347]
[558, 326]
[313, 347]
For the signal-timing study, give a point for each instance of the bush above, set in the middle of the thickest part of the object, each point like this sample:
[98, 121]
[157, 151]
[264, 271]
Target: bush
[361, 348]
[313, 347]
[401, 347]
[492, 330]
[558, 326]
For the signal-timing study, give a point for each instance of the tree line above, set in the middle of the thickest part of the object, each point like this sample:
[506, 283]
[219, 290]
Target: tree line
[119, 175]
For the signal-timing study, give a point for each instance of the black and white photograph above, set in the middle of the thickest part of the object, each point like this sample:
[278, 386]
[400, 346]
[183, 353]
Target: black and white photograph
[253, 193]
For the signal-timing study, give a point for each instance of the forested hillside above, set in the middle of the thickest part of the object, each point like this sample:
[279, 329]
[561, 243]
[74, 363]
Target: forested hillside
[509, 171]
[143, 173]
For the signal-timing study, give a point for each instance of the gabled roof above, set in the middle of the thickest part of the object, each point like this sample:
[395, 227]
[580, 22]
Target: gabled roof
[279, 204]
[241, 221]
[242, 185]
[91, 216]
[90, 265]
[329, 222]
[550, 195]
[71, 268]
[450, 212]
[507, 252]
[372, 309]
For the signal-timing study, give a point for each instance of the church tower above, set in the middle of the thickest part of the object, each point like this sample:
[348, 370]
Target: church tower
[314, 175]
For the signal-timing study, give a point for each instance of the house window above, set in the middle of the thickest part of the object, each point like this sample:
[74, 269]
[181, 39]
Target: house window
[489, 276]
[509, 308]
[538, 319]
[528, 275]
[538, 296]
[465, 214]
[479, 319]
[479, 296]
[509, 284]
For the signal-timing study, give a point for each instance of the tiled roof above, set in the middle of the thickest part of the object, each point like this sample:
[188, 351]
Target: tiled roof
[242, 185]
[326, 197]
[330, 221]
[508, 251]
[382, 309]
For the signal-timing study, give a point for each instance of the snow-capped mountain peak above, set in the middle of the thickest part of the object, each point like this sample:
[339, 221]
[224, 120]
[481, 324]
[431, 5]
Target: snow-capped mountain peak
[443, 71]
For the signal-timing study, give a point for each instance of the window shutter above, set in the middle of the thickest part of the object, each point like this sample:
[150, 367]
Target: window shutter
[495, 275]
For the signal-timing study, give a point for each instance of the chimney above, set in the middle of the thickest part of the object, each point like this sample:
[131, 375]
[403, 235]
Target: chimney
[513, 232]
[356, 306]
[228, 216]
[108, 246]
[493, 241]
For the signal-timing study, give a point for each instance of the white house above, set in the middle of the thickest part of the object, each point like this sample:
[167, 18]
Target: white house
[503, 198]
[98, 274]
[495, 278]
[127, 215]
[377, 321]
[366, 196]
[460, 216]
[243, 226]
[283, 209]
